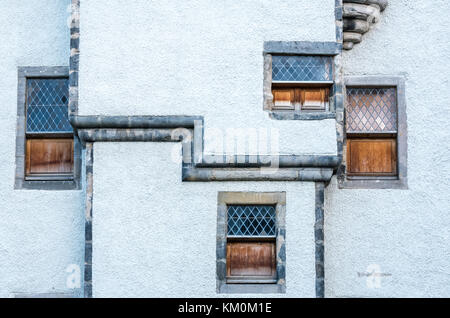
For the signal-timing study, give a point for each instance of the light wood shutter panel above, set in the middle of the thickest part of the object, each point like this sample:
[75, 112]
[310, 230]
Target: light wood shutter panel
[308, 98]
[314, 98]
[283, 98]
[251, 259]
[49, 156]
[372, 157]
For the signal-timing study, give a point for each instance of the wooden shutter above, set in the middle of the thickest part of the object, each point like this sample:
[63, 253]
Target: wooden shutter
[371, 156]
[314, 98]
[308, 98]
[49, 156]
[251, 259]
[283, 98]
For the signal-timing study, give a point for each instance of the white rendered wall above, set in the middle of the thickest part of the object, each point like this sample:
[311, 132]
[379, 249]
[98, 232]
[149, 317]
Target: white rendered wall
[155, 236]
[41, 232]
[406, 233]
[197, 57]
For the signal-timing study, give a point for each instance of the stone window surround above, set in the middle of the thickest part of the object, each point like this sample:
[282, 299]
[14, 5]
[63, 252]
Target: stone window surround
[20, 181]
[299, 48]
[267, 198]
[402, 136]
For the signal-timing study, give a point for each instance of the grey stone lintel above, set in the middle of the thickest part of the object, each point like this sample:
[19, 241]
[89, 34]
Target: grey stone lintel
[302, 47]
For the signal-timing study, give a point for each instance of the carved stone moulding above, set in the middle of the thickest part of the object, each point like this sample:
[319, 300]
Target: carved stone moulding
[359, 16]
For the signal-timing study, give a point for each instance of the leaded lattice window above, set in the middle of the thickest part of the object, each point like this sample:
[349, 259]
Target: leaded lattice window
[301, 83]
[371, 110]
[47, 152]
[47, 105]
[49, 135]
[371, 127]
[250, 232]
[251, 220]
[302, 68]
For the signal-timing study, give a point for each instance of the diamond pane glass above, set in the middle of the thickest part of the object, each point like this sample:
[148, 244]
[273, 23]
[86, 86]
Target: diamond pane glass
[371, 110]
[47, 105]
[251, 220]
[301, 68]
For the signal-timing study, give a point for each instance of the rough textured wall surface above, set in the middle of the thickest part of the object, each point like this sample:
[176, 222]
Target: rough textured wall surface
[404, 233]
[197, 58]
[41, 232]
[155, 236]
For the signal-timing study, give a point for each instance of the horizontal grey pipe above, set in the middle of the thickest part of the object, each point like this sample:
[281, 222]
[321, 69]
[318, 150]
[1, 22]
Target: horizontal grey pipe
[81, 122]
[156, 135]
[256, 174]
[285, 161]
[209, 161]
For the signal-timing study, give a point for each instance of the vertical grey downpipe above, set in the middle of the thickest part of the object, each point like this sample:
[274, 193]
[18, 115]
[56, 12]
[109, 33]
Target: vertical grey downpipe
[73, 111]
[319, 239]
[88, 220]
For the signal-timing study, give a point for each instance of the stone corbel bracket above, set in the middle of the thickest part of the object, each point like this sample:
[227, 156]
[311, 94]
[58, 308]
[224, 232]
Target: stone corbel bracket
[359, 16]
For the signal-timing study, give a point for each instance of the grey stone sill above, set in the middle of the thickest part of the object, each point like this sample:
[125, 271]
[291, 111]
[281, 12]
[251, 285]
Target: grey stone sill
[251, 289]
[43, 295]
[49, 178]
[48, 185]
[373, 184]
[292, 115]
[250, 280]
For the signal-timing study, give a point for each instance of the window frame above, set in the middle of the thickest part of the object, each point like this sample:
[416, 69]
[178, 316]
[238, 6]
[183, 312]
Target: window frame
[50, 182]
[302, 48]
[263, 286]
[269, 85]
[252, 239]
[379, 182]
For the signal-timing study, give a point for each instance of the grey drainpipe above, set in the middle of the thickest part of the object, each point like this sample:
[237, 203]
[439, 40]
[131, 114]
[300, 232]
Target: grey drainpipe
[285, 161]
[132, 122]
[319, 239]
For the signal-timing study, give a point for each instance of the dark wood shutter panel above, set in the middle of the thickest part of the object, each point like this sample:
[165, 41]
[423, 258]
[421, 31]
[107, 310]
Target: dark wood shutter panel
[371, 156]
[251, 259]
[49, 156]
